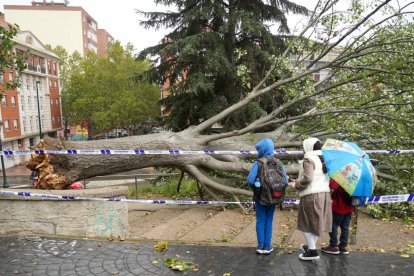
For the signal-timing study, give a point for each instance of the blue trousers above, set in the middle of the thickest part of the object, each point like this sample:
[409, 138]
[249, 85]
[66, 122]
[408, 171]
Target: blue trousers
[264, 225]
[342, 221]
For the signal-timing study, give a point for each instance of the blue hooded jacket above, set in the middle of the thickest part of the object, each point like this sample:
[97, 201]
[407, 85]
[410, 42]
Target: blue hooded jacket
[264, 148]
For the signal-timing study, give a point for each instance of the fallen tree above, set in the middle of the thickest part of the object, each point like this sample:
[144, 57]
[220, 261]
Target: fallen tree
[366, 95]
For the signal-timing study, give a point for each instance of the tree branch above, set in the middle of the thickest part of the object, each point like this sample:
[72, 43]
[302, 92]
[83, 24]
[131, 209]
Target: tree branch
[205, 180]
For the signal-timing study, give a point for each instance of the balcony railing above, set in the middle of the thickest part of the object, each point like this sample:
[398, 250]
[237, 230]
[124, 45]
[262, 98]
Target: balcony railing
[36, 68]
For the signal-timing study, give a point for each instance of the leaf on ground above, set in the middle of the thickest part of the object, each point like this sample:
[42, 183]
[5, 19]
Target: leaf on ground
[405, 255]
[180, 265]
[227, 274]
[161, 246]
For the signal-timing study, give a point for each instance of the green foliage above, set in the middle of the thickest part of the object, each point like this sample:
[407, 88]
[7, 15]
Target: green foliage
[111, 92]
[161, 246]
[10, 61]
[381, 109]
[167, 189]
[68, 65]
[216, 53]
[400, 169]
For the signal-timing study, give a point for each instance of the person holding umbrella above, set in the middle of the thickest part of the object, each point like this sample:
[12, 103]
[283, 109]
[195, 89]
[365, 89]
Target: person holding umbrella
[315, 211]
[353, 177]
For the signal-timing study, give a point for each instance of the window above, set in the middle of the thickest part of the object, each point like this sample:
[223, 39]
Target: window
[6, 125]
[53, 119]
[92, 47]
[57, 101]
[21, 101]
[56, 84]
[15, 125]
[10, 77]
[317, 76]
[50, 83]
[1, 77]
[31, 123]
[51, 102]
[24, 124]
[27, 84]
[4, 100]
[13, 101]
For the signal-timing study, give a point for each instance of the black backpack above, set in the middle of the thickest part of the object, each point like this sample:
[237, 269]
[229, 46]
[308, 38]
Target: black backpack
[272, 180]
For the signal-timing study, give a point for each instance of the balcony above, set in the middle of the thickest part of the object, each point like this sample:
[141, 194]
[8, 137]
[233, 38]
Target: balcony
[36, 68]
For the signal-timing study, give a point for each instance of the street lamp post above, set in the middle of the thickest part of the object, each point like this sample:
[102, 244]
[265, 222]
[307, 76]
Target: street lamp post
[38, 109]
[3, 169]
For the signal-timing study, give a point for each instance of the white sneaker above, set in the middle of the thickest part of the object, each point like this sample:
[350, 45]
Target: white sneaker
[267, 251]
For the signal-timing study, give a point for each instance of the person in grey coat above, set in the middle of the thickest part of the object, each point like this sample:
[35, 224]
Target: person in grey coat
[315, 212]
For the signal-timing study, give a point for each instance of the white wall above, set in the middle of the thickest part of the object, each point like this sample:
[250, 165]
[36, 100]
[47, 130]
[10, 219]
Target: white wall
[51, 27]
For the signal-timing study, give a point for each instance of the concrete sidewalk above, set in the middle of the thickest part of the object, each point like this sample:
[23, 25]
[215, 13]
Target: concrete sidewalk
[18, 171]
[59, 256]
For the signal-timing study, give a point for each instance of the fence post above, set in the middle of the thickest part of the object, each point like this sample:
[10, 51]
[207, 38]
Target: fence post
[136, 187]
[354, 224]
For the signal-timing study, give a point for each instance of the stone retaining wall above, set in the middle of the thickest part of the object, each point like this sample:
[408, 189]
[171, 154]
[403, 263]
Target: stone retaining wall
[89, 219]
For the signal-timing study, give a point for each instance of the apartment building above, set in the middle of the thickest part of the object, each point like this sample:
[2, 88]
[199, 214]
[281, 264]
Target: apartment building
[104, 41]
[57, 23]
[36, 104]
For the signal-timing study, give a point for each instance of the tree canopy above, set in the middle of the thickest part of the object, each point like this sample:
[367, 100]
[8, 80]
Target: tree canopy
[9, 60]
[214, 47]
[111, 92]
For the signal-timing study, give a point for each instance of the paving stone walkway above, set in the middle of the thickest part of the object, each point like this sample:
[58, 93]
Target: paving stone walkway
[58, 256]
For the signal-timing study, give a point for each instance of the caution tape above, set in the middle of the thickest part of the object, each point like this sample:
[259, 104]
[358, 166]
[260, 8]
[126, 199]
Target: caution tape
[370, 200]
[173, 152]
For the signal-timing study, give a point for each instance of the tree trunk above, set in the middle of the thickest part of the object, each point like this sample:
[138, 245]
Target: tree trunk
[57, 171]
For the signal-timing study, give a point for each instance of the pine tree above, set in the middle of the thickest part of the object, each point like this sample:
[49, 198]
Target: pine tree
[216, 51]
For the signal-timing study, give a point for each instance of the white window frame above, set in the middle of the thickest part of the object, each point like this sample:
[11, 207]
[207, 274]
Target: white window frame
[4, 100]
[6, 125]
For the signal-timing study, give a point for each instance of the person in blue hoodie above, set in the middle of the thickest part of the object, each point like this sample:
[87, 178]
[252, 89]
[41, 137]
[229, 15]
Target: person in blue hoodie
[264, 213]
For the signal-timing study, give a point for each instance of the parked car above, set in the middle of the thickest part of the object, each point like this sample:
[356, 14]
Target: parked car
[158, 129]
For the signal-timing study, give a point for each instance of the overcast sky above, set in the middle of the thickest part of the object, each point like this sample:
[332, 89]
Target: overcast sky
[121, 21]
[117, 17]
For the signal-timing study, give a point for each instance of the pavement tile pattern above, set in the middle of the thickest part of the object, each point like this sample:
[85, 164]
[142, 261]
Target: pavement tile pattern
[59, 256]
